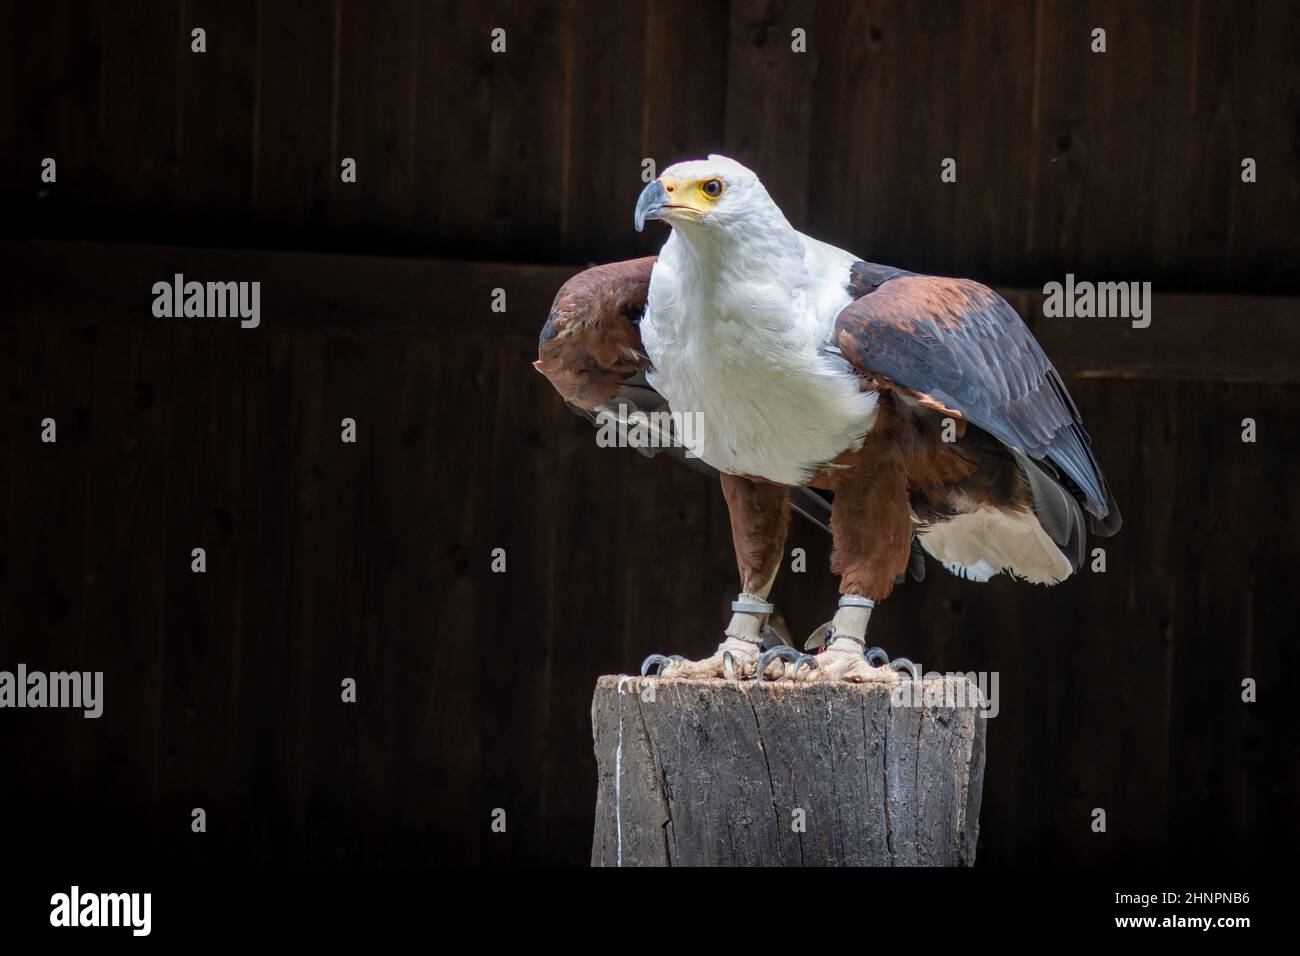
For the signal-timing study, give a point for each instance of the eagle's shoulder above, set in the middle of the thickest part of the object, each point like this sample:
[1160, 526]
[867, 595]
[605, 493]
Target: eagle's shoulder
[591, 341]
[865, 277]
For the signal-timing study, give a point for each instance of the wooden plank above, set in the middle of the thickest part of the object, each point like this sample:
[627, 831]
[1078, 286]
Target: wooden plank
[1101, 123]
[139, 117]
[475, 155]
[1169, 122]
[768, 101]
[452, 103]
[50, 90]
[458, 818]
[295, 167]
[1217, 338]
[15, 151]
[201, 654]
[1226, 338]
[514, 602]
[126, 556]
[313, 588]
[990, 204]
[491, 131]
[327, 784]
[376, 90]
[524, 169]
[1263, 528]
[1130, 709]
[414, 606]
[887, 110]
[607, 99]
[715, 773]
[1222, 635]
[93, 284]
[391, 598]
[41, 570]
[578, 549]
[217, 119]
[1241, 102]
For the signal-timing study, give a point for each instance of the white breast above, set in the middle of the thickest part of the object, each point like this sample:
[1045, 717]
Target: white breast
[743, 356]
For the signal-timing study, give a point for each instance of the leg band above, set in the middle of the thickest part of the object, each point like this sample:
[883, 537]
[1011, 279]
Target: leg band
[749, 614]
[851, 619]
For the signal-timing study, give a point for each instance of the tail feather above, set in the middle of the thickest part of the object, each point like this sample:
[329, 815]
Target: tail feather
[1057, 511]
[1109, 525]
[1044, 544]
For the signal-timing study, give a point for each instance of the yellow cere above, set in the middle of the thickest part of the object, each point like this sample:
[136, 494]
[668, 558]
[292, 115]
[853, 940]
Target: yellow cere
[697, 195]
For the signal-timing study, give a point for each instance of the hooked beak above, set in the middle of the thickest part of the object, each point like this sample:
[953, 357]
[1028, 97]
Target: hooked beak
[653, 199]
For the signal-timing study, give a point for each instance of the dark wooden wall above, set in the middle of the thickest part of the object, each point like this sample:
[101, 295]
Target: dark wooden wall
[327, 560]
[1117, 164]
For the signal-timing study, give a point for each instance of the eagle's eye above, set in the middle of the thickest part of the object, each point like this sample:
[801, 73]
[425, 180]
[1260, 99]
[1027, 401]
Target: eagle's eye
[712, 188]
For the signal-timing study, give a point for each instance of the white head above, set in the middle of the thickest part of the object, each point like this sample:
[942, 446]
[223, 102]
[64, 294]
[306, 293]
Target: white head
[714, 198]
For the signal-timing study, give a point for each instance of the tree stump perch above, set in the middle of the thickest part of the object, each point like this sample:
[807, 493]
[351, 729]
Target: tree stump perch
[710, 772]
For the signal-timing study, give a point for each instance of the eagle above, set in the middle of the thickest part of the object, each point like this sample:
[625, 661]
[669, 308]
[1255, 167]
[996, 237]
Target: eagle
[906, 413]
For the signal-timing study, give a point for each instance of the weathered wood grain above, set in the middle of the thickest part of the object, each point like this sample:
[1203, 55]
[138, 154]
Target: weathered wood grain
[711, 773]
[1213, 337]
[1125, 163]
[769, 102]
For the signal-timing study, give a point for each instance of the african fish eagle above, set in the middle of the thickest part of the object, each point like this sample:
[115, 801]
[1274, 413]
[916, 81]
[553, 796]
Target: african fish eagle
[922, 404]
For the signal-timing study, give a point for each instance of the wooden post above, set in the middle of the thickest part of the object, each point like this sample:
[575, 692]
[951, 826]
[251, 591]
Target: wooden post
[696, 773]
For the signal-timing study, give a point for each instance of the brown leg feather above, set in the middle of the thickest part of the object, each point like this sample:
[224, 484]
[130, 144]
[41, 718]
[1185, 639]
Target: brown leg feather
[871, 527]
[760, 518]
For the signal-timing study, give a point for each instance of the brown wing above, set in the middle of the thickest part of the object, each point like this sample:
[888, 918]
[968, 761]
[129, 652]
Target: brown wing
[960, 347]
[590, 350]
[591, 343]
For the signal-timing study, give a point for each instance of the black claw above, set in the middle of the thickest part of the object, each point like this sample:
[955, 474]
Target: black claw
[903, 664]
[876, 656]
[658, 662]
[783, 651]
[728, 665]
[800, 661]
